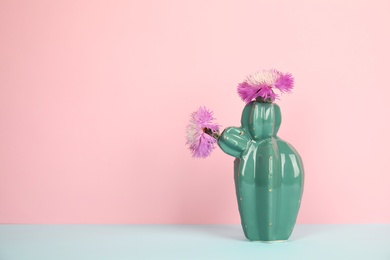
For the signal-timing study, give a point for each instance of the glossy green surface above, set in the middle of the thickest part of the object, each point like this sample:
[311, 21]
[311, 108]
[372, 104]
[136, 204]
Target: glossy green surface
[268, 173]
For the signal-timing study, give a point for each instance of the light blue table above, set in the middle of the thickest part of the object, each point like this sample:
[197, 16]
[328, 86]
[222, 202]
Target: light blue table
[114, 242]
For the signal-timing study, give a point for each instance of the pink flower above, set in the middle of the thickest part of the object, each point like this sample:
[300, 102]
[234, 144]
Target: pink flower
[261, 85]
[202, 133]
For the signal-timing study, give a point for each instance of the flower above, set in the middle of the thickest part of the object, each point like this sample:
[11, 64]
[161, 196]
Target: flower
[202, 133]
[261, 84]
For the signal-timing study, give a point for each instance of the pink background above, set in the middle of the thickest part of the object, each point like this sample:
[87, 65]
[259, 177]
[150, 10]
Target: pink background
[95, 97]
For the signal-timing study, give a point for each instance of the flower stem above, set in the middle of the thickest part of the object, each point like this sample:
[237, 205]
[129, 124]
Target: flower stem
[210, 132]
[262, 100]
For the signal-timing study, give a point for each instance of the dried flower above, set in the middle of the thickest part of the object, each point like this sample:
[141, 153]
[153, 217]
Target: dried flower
[261, 84]
[202, 133]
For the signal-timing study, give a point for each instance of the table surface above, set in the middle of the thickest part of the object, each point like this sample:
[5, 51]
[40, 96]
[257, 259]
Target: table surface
[112, 242]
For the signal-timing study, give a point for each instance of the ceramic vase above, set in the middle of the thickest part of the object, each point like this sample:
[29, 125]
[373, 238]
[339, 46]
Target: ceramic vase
[268, 173]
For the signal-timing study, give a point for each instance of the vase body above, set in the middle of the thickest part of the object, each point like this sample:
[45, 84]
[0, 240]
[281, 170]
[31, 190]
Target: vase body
[268, 173]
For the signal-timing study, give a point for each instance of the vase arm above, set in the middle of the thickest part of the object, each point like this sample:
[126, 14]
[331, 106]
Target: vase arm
[233, 141]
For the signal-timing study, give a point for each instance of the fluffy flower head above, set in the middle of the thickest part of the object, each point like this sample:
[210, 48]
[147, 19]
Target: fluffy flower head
[262, 84]
[201, 133]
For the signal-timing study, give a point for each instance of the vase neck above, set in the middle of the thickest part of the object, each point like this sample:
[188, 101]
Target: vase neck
[261, 119]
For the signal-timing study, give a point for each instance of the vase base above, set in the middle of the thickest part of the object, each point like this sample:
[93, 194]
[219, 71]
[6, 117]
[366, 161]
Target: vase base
[270, 242]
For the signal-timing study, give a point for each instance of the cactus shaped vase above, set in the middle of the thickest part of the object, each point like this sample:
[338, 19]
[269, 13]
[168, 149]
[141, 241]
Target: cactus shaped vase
[268, 173]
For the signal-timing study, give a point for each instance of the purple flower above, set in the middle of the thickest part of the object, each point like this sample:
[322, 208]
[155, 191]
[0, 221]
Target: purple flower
[266, 92]
[284, 82]
[202, 133]
[261, 84]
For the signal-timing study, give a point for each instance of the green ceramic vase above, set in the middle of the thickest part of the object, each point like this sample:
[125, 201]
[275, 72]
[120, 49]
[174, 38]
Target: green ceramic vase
[268, 173]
